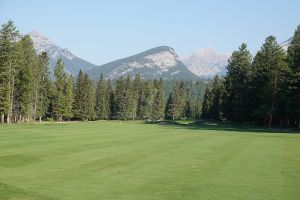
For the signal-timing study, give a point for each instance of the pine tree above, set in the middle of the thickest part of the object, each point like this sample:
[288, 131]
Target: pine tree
[145, 101]
[207, 102]
[188, 111]
[89, 99]
[102, 100]
[130, 100]
[197, 108]
[180, 95]
[30, 74]
[8, 64]
[293, 58]
[175, 108]
[158, 102]
[170, 108]
[79, 97]
[23, 80]
[84, 98]
[45, 86]
[236, 85]
[68, 98]
[140, 98]
[136, 89]
[59, 89]
[111, 100]
[269, 73]
[119, 99]
[124, 98]
[216, 92]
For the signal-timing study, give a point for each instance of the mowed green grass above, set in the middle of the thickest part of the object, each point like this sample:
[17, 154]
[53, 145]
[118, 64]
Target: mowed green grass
[134, 160]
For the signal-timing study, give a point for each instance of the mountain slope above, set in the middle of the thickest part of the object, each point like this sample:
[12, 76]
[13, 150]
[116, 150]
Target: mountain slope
[159, 62]
[206, 62]
[72, 63]
[286, 44]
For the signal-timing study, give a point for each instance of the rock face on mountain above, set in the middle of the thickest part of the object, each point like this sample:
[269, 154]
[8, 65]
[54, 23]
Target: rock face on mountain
[159, 62]
[206, 63]
[72, 63]
[286, 44]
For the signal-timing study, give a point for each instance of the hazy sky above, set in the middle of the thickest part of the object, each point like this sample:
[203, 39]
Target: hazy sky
[102, 31]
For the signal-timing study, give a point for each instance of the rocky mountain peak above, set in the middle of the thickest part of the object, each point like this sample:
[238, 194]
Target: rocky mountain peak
[206, 62]
[158, 62]
[72, 63]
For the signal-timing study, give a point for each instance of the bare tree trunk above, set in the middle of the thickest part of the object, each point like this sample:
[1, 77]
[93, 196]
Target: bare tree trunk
[2, 118]
[270, 120]
[272, 107]
[11, 99]
[8, 118]
[280, 123]
[35, 102]
[40, 119]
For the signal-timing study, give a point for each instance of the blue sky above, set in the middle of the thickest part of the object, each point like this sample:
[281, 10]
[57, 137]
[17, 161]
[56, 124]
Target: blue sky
[102, 31]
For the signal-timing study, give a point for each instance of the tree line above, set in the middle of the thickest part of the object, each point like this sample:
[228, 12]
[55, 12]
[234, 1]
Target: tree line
[262, 90]
[27, 93]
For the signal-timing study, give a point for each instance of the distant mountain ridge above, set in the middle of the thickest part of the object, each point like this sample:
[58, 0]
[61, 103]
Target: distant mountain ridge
[159, 62]
[72, 63]
[207, 62]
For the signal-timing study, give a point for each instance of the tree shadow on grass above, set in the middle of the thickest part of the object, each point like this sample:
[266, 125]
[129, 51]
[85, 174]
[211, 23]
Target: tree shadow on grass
[221, 126]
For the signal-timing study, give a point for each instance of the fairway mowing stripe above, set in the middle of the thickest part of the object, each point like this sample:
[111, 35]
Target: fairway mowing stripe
[89, 164]
[13, 192]
[152, 137]
[141, 147]
[71, 138]
[206, 153]
[141, 161]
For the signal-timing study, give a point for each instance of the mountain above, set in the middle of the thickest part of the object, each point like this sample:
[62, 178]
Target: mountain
[286, 44]
[206, 62]
[159, 62]
[72, 63]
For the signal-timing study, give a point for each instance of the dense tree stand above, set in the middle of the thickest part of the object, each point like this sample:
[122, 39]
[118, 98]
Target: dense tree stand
[263, 89]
